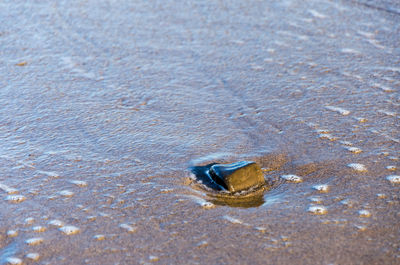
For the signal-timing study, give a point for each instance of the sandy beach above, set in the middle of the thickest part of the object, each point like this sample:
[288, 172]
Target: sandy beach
[106, 107]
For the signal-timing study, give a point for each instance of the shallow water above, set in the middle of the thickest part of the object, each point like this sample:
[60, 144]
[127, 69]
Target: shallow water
[105, 106]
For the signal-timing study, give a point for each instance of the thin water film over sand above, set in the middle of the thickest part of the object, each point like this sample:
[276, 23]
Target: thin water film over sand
[107, 105]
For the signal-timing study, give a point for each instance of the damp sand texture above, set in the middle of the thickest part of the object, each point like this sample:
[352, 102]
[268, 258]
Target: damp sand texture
[105, 106]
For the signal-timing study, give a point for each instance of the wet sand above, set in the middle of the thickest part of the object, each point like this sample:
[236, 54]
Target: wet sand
[107, 105]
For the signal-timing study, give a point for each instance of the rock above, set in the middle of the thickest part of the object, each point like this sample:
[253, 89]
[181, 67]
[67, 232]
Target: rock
[237, 176]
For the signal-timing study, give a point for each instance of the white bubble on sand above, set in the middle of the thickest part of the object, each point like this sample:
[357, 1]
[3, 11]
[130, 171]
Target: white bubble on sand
[202, 243]
[348, 203]
[153, 258]
[361, 119]
[15, 198]
[232, 220]
[391, 168]
[56, 223]
[13, 261]
[203, 203]
[39, 228]
[8, 189]
[12, 233]
[317, 209]
[316, 200]
[364, 213]
[361, 227]
[353, 149]
[323, 131]
[34, 241]
[342, 111]
[394, 179]
[327, 136]
[346, 143]
[66, 193]
[33, 256]
[381, 195]
[321, 187]
[29, 220]
[79, 183]
[99, 237]
[69, 230]
[357, 167]
[292, 178]
[128, 228]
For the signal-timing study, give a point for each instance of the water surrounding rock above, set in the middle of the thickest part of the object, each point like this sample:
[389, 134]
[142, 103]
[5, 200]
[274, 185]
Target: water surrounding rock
[237, 176]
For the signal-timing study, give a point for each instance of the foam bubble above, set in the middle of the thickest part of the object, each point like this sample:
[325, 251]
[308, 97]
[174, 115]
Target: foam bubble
[153, 258]
[203, 203]
[361, 227]
[394, 179]
[321, 188]
[354, 150]
[317, 14]
[357, 167]
[13, 261]
[361, 119]
[327, 136]
[39, 228]
[316, 200]
[381, 195]
[56, 223]
[79, 183]
[15, 198]
[347, 202]
[342, 111]
[49, 173]
[350, 50]
[232, 220]
[29, 220]
[34, 241]
[364, 213]
[69, 230]
[317, 209]
[202, 243]
[12, 233]
[33, 256]
[346, 143]
[99, 237]
[66, 193]
[128, 228]
[292, 178]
